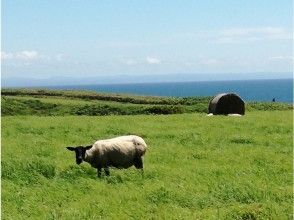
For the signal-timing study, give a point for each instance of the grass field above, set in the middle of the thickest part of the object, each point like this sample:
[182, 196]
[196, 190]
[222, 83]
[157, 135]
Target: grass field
[196, 167]
[62, 103]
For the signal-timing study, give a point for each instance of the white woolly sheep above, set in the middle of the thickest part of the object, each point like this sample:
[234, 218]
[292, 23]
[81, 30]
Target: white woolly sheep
[119, 152]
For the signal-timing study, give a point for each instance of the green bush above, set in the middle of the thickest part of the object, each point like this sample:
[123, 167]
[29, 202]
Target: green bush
[93, 110]
[268, 106]
[164, 110]
[26, 107]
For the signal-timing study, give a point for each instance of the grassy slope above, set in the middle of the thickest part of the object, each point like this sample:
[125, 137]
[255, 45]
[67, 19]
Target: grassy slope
[63, 105]
[195, 167]
[60, 103]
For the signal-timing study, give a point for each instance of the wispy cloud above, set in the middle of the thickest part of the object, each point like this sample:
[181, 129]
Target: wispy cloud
[240, 35]
[28, 57]
[235, 35]
[211, 61]
[59, 57]
[153, 60]
[282, 58]
[6, 56]
[22, 55]
[130, 61]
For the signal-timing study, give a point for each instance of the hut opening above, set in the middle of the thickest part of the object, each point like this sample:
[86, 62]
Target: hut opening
[226, 103]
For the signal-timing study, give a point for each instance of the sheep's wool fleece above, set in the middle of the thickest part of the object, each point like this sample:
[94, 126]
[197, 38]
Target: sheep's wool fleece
[119, 151]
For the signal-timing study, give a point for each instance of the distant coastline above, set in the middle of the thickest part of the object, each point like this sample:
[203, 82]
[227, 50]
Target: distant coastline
[166, 82]
[106, 79]
[250, 90]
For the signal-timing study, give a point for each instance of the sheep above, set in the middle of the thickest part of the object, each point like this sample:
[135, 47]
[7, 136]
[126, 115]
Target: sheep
[119, 152]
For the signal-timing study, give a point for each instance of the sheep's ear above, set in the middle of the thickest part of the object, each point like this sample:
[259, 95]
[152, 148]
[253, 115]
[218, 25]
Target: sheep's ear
[88, 147]
[71, 148]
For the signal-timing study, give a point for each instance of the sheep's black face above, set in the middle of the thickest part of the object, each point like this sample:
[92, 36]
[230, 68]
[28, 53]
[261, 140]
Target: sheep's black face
[80, 152]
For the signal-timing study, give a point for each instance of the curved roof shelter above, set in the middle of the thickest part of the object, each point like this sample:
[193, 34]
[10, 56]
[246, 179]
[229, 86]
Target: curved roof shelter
[226, 103]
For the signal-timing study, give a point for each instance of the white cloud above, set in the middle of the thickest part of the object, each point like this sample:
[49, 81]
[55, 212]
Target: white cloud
[239, 34]
[281, 58]
[210, 61]
[131, 62]
[6, 56]
[205, 61]
[236, 35]
[60, 57]
[27, 55]
[153, 60]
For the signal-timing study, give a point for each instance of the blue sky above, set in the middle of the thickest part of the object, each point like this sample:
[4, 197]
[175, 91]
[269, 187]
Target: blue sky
[87, 38]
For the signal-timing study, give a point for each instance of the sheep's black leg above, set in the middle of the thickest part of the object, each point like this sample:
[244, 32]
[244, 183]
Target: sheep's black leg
[106, 170]
[138, 162]
[99, 172]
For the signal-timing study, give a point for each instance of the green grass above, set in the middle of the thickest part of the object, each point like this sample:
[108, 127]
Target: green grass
[91, 95]
[62, 103]
[196, 167]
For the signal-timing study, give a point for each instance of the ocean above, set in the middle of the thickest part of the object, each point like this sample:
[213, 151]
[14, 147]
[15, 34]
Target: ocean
[248, 90]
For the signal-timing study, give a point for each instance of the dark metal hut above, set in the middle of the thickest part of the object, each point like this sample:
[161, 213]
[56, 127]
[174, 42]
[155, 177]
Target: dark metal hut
[226, 103]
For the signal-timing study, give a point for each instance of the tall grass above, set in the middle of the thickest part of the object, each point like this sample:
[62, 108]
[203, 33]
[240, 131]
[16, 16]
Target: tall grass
[196, 167]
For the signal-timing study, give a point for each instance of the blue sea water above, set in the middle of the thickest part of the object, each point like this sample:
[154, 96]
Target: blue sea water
[249, 90]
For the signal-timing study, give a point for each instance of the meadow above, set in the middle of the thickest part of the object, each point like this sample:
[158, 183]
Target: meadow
[196, 167]
[63, 103]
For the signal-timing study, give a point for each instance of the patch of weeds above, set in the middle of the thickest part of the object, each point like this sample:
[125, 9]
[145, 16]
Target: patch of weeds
[241, 140]
[29, 130]
[45, 169]
[114, 131]
[185, 201]
[190, 139]
[74, 172]
[218, 173]
[159, 196]
[117, 179]
[262, 163]
[166, 136]
[207, 200]
[197, 156]
[229, 192]
[44, 152]
[250, 212]
[164, 196]
[27, 172]
[150, 175]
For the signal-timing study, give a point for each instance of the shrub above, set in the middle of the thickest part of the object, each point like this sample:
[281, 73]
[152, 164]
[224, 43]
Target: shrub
[164, 110]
